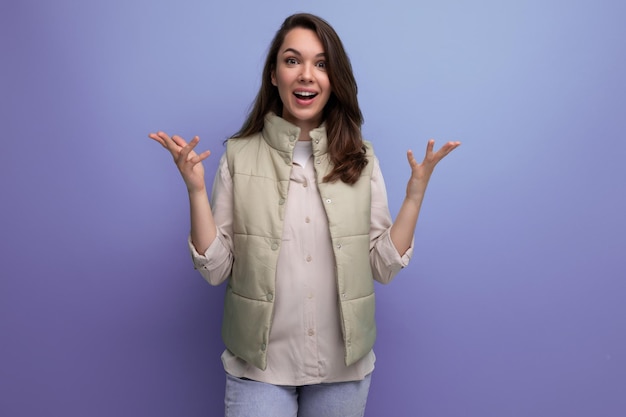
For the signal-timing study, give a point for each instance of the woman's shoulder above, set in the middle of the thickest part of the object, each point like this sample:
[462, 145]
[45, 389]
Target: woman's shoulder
[240, 141]
[369, 148]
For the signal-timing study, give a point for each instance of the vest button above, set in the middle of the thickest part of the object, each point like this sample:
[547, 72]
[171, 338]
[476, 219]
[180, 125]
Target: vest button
[338, 245]
[328, 200]
[263, 346]
[274, 246]
[281, 201]
[292, 138]
[270, 297]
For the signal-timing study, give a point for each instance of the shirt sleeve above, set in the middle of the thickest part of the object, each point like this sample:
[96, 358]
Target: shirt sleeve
[216, 263]
[384, 257]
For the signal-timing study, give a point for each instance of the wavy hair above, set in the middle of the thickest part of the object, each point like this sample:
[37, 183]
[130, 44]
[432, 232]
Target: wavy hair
[342, 114]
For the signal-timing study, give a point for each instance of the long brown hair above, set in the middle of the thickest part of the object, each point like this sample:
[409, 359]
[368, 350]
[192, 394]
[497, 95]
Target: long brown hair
[342, 114]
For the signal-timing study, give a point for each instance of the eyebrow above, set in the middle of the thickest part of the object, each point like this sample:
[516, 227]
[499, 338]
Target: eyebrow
[295, 51]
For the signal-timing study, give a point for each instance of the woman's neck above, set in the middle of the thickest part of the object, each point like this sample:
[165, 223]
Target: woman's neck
[305, 127]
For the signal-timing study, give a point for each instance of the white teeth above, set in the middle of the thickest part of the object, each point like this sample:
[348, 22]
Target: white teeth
[305, 93]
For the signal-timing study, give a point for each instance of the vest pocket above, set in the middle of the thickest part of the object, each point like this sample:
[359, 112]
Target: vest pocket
[359, 326]
[245, 327]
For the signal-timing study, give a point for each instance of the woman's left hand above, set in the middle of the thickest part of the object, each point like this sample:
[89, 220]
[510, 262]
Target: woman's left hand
[421, 172]
[403, 228]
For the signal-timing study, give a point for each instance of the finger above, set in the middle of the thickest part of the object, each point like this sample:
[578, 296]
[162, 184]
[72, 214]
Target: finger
[187, 150]
[166, 140]
[178, 140]
[449, 147]
[188, 147]
[451, 144]
[446, 149]
[411, 158]
[200, 157]
[156, 138]
[429, 150]
[429, 146]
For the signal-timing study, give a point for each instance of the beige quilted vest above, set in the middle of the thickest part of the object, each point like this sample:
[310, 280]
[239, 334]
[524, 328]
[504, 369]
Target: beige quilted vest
[260, 167]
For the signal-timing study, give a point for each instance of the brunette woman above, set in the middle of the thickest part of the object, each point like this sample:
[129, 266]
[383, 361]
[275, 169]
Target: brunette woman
[299, 227]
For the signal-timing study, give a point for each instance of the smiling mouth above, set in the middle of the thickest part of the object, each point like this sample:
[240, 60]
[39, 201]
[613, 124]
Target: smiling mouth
[305, 95]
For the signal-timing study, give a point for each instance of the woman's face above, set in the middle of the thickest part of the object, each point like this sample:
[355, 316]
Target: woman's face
[301, 78]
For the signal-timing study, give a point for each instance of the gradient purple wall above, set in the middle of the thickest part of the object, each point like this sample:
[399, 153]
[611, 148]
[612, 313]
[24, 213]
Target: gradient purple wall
[515, 302]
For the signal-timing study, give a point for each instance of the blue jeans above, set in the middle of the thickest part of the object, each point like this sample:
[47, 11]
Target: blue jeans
[247, 398]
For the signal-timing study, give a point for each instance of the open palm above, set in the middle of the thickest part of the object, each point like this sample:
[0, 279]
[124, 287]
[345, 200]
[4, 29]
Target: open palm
[189, 162]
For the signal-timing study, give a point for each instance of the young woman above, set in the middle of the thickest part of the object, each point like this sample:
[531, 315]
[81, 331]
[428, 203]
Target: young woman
[299, 226]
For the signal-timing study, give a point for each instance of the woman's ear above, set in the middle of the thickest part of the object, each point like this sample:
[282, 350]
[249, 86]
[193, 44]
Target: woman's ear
[273, 78]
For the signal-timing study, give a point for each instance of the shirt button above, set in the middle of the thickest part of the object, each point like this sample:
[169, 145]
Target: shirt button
[308, 258]
[305, 184]
[307, 220]
[311, 332]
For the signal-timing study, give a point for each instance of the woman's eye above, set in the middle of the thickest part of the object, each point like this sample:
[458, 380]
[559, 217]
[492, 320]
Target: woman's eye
[321, 64]
[291, 61]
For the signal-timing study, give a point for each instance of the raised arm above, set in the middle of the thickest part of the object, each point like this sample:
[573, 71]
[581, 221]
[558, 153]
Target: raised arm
[403, 228]
[189, 163]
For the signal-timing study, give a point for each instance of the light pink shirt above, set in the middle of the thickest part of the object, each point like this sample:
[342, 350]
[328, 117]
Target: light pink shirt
[305, 345]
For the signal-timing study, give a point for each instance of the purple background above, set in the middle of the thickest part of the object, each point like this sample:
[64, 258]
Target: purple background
[515, 301]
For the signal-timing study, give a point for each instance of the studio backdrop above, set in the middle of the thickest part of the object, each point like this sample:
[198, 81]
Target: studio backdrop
[514, 302]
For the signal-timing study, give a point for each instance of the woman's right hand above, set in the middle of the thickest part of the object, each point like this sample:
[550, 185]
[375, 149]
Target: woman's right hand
[189, 163]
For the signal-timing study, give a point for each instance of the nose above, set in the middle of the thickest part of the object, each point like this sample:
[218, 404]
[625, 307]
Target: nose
[306, 76]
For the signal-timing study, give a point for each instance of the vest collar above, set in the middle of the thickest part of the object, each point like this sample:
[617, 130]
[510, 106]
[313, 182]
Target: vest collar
[282, 135]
